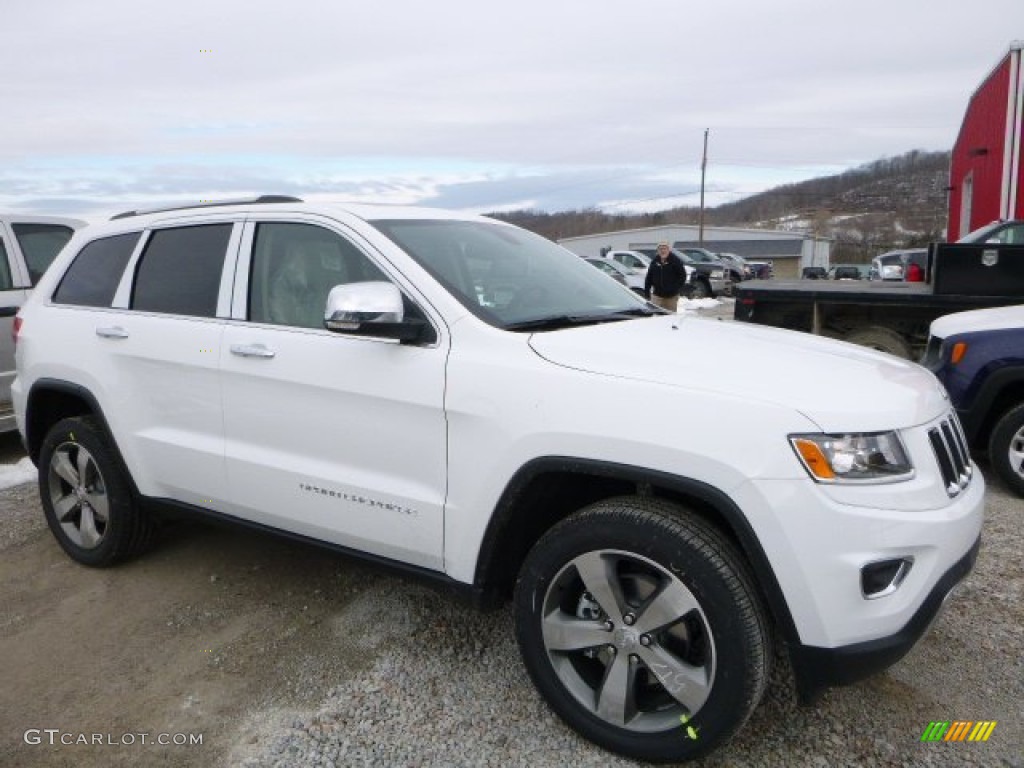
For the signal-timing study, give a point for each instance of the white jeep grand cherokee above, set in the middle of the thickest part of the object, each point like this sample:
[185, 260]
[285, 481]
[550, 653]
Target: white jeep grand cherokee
[429, 390]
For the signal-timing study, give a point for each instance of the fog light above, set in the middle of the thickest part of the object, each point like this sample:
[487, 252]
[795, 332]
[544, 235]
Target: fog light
[884, 577]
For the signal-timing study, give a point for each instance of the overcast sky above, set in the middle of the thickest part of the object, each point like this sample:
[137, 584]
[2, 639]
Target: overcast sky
[474, 104]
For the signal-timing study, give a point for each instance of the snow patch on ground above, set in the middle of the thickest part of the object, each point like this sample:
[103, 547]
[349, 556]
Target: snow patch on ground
[17, 474]
[688, 304]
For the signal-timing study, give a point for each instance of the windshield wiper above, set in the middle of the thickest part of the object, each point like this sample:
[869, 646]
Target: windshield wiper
[554, 322]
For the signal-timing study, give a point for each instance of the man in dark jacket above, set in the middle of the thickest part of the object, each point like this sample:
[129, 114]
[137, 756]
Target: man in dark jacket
[666, 278]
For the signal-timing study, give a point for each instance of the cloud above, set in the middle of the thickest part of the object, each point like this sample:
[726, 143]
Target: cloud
[459, 103]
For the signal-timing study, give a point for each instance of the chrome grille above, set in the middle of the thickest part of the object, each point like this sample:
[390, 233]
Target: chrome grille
[951, 452]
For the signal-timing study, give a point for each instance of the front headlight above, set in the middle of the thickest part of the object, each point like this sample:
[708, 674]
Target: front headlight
[872, 458]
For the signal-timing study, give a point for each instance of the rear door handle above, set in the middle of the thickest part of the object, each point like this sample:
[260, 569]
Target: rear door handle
[251, 350]
[112, 332]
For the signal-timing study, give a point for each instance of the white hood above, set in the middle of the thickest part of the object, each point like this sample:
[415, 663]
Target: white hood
[998, 319]
[839, 386]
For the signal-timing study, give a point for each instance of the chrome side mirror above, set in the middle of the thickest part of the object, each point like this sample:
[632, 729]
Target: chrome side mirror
[370, 309]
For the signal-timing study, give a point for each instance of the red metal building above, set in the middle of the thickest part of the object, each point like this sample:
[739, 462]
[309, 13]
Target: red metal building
[986, 170]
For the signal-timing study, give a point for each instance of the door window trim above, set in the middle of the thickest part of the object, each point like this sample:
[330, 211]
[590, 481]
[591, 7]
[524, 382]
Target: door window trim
[123, 295]
[240, 279]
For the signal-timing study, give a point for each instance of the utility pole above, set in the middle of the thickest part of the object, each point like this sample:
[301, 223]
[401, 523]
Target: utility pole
[703, 170]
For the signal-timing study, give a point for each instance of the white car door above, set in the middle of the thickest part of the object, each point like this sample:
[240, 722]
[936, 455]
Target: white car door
[328, 435]
[160, 342]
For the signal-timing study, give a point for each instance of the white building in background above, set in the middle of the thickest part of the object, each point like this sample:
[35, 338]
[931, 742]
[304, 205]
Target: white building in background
[789, 252]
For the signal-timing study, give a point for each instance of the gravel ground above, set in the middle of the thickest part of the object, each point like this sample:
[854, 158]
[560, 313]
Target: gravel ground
[286, 656]
[447, 688]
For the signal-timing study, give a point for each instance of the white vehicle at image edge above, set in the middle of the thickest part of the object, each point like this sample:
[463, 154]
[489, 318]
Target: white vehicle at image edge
[27, 246]
[427, 389]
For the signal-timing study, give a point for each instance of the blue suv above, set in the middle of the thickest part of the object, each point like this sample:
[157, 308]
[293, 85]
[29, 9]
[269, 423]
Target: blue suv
[979, 357]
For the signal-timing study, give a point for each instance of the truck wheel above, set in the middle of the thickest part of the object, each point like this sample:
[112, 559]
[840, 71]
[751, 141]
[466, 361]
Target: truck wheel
[639, 626]
[86, 497]
[1006, 448]
[881, 338]
[701, 290]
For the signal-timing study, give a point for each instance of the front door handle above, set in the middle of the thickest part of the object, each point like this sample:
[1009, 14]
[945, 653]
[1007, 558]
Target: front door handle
[251, 350]
[112, 332]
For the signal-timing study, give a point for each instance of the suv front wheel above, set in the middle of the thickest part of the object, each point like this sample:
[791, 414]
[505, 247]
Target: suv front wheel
[86, 496]
[640, 628]
[1006, 448]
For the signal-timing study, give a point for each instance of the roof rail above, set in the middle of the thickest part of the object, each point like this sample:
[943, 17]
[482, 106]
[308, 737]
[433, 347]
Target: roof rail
[250, 201]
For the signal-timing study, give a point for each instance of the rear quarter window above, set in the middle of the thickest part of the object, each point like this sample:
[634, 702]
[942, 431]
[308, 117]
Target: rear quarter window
[5, 269]
[40, 244]
[93, 276]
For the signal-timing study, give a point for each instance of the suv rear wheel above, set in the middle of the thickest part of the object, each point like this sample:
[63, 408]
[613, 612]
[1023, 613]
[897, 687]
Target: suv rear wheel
[640, 628]
[86, 496]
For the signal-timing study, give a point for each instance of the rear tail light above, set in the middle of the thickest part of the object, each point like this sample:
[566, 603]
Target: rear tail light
[16, 328]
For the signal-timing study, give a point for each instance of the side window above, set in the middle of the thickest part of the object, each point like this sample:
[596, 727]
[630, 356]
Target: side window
[294, 267]
[1012, 235]
[180, 270]
[5, 269]
[40, 244]
[92, 278]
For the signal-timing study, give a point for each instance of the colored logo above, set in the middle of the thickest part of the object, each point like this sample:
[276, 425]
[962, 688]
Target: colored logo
[959, 730]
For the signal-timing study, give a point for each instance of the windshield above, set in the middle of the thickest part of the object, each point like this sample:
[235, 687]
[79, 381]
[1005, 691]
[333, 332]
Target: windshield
[703, 258]
[509, 277]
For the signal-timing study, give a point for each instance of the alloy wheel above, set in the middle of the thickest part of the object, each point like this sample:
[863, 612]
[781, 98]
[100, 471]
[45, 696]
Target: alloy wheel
[629, 641]
[78, 495]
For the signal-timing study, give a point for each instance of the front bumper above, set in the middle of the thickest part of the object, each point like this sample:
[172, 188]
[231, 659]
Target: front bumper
[816, 669]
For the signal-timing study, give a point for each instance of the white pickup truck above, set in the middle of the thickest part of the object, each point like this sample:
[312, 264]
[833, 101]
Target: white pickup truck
[662, 497]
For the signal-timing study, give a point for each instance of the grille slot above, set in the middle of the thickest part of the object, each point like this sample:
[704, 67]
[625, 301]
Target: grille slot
[951, 452]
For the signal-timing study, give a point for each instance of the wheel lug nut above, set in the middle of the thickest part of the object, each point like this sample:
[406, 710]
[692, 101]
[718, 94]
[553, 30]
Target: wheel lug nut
[630, 619]
[633, 658]
[645, 640]
[608, 625]
[612, 650]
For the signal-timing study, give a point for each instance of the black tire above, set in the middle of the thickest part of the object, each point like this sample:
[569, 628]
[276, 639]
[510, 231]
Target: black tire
[87, 497]
[1006, 448]
[670, 595]
[881, 338]
[701, 290]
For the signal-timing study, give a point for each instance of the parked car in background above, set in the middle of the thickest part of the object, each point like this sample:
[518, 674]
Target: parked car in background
[813, 273]
[737, 268]
[28, 244]
[635, 261]
[979, 357]
[618, 273]
[849, 271]
[711, 272]
[1009, 232]
[761, 270]
[893, 264]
